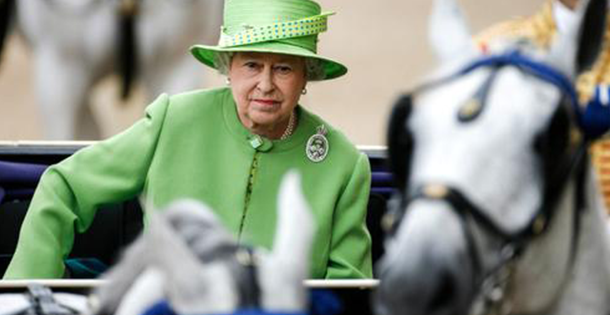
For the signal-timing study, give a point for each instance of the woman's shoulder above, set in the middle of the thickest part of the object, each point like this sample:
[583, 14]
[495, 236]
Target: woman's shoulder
[196, 103]
[200, 98]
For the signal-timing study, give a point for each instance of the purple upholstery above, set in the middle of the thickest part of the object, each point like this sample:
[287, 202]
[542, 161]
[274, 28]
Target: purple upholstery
[386, 191]
[382, 179]
[382, 183]
[18, 180]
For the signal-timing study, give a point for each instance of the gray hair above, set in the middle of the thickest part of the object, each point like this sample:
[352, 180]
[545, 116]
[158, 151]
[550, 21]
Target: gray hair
[222, 61]
[313, 67]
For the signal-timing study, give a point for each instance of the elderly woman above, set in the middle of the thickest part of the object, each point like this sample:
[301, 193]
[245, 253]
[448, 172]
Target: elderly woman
[228, 147]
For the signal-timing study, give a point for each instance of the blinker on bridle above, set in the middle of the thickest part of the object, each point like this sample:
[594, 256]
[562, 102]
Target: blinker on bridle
[573, 161]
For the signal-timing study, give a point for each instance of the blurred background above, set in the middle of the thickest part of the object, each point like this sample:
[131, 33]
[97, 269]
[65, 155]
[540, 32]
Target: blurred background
[383, 43]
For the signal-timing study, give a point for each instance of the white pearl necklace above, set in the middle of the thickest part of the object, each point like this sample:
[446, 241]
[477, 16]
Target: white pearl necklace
[290, 128]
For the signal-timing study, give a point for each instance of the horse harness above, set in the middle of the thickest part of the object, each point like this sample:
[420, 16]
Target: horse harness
[243, 261]
[561, 147]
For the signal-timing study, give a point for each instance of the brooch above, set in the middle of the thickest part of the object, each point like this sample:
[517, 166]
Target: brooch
[317, 145]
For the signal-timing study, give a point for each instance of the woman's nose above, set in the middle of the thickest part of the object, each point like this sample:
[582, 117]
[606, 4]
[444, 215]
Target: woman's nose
[265, 83]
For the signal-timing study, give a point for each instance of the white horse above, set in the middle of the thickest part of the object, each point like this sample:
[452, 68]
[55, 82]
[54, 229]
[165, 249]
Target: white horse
[74, 45]
[188, 259]
[499, 212]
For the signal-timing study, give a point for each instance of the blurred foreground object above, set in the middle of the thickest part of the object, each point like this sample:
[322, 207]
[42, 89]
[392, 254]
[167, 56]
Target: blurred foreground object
[187, 262]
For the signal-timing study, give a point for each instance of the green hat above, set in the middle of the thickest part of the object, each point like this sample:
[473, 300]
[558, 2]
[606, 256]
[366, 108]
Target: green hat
[288, 27]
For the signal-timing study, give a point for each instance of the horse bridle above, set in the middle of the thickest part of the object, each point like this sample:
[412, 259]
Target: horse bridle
[572, 162]
[243, 261]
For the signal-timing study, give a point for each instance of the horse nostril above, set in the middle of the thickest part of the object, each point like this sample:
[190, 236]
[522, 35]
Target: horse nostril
[444, 292]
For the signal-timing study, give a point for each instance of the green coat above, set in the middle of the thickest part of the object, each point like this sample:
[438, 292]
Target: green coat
[192, 145]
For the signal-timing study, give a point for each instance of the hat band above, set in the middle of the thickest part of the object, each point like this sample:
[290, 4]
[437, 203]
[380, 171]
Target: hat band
[281, 30]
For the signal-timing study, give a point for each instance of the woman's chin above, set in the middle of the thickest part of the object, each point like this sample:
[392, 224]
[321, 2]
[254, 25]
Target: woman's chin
[263, 119]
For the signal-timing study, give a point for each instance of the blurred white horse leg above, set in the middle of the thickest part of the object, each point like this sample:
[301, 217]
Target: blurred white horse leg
[74, 45]
[71, 46]
[62, 89]
[166, 63]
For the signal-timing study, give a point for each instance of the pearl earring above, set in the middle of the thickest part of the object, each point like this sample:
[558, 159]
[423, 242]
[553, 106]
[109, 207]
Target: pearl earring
[304, 91]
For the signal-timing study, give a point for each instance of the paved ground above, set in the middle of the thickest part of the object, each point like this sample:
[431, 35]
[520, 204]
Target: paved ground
[382, 42]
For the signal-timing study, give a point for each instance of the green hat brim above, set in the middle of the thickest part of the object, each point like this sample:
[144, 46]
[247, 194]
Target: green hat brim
[206, 54]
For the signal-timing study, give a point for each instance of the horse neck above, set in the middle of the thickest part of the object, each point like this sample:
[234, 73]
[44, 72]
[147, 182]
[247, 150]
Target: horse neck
[589, 289]
[546, 281]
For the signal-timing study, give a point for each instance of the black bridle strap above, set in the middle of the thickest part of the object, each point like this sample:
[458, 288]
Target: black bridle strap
[250, 291]
[563, 83]
[244, 262]
[464, 208]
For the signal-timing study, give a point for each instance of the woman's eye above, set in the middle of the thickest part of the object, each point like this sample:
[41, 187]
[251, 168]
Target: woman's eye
[283, 69]
[251, 65]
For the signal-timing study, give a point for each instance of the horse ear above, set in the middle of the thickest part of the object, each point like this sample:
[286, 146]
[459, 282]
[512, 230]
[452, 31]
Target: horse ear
[295, 224]
[193, 288]
[283, 271]
[168, 249]
[449, 34]
[579, 44]
[122, 276]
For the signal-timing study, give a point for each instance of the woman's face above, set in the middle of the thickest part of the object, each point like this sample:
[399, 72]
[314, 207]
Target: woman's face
[266, 88]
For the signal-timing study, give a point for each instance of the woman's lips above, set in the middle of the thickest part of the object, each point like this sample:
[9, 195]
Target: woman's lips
[267, 102]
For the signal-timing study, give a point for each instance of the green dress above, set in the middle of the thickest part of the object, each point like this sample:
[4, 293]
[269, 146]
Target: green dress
[192, 145]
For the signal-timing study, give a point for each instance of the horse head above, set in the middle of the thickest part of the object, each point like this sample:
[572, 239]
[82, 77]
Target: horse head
[490, 161]
[186, 261]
